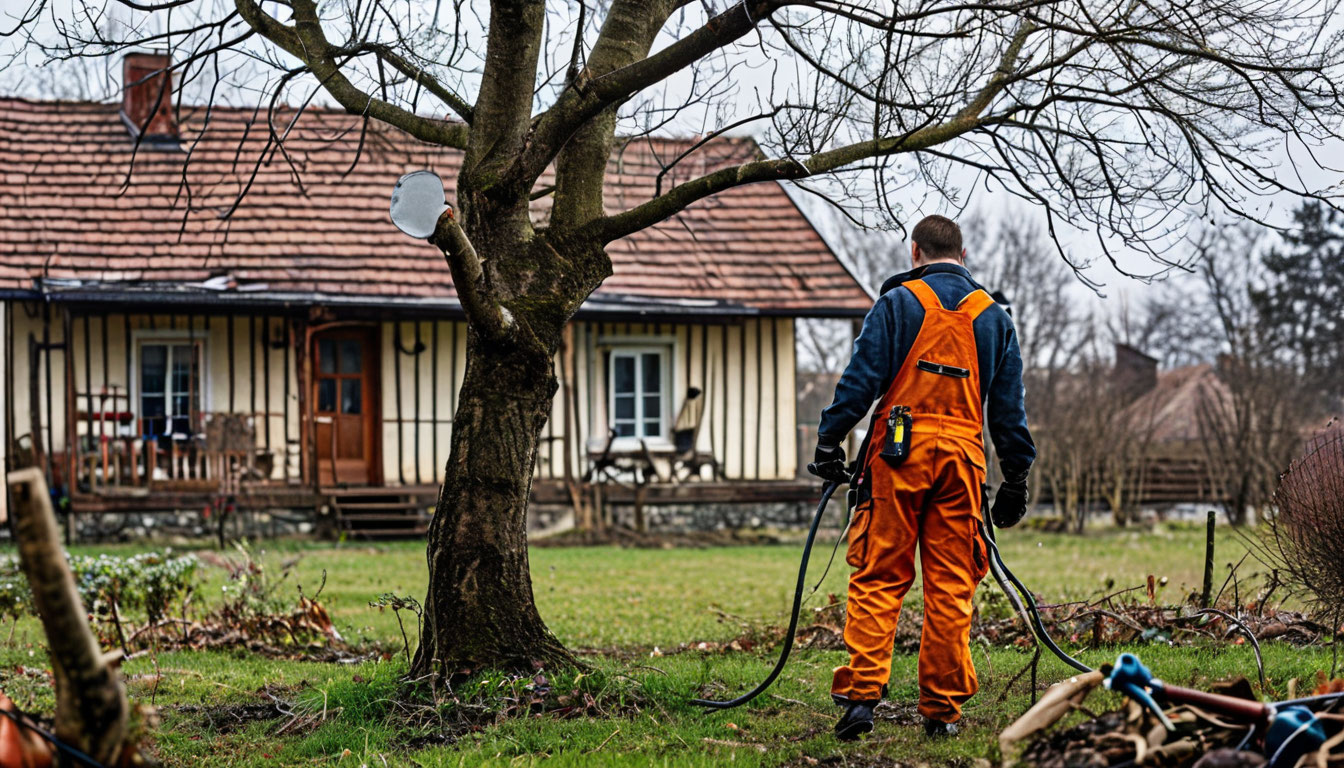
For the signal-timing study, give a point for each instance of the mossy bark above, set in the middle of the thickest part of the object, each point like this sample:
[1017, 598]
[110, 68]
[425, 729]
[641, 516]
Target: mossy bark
[480, 610]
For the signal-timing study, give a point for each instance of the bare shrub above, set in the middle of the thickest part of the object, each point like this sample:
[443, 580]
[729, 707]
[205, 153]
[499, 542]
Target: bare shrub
[1304, 537]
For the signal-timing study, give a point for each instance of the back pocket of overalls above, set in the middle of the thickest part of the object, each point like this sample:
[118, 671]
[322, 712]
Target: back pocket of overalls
[979, 548]
[858, 529]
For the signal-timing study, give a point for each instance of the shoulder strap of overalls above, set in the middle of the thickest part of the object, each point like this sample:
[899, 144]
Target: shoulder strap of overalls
[976, 301]
[927, 298]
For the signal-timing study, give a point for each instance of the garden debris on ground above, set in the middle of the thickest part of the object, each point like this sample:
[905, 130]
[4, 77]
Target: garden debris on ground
[618, 536]
[1133, 736]
[1130, 616]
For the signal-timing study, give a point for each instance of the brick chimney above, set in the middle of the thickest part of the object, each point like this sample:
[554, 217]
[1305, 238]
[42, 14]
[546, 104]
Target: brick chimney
[147, 96]
[1135, 372]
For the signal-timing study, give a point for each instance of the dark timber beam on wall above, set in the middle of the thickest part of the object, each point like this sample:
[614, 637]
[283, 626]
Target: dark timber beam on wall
[742, 398]
[51, 404]
[130, 406]
[419, 347]
[286, 326]
[193, 417]
[252, 369]
[760, 396]
[774, 382]
[35, 404]
[9, 381]
[102, 419]
[67, 327]
[266, 377]
[704, 388]
[452, 371]
[88, 380]
[434, 395]
[229, 336]
[396, 385]
[723, 353]
[308, 473]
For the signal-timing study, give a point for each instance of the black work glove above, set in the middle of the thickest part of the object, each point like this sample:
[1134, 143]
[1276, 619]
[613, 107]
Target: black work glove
[1010, 504]
[829, 464]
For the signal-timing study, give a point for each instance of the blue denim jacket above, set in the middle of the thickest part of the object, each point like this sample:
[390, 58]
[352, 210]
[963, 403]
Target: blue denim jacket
[889, 332]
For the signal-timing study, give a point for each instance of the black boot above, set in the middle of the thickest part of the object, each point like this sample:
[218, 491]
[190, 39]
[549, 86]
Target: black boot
[857, 720]
[936, 729]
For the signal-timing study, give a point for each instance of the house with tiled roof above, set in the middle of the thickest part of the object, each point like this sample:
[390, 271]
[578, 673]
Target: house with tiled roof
[200, 314]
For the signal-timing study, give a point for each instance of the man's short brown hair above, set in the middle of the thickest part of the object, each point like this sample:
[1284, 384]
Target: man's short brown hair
[938, 237]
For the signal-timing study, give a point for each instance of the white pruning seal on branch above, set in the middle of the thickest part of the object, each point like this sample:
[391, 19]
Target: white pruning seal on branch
[417, 203]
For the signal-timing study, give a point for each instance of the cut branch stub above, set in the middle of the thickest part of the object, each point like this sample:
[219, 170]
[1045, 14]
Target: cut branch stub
[482, 307]
[91, 708]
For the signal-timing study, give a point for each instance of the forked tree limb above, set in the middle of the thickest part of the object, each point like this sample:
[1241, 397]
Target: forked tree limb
[92, 713]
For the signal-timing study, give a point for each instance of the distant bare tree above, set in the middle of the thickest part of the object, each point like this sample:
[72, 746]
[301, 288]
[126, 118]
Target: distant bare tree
[1019, 260]
[1252, 426]
[1116, 117]
[1170, 321]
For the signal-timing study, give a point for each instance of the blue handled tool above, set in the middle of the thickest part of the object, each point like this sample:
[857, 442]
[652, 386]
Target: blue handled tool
[1134, 680]
[1291, 729]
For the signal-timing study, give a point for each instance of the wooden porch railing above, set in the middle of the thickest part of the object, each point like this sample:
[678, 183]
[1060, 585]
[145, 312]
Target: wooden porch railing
[221, 456]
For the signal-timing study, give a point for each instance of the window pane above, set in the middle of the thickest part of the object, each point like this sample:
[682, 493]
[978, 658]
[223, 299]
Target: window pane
[625, 407]
[153, 368]
[625, 374]
[152, 414]
[151, 406]
[625, 429]
[326, 395]
[350, 399]
[326, 355]
[652, 364]
[182, 378]
[352, 356]
[653, 406]
[652, 429]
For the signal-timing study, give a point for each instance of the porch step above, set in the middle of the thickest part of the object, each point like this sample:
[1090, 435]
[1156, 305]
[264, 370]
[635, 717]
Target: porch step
[389, 533]
[380, 513]
[378, 506]
[381, 517]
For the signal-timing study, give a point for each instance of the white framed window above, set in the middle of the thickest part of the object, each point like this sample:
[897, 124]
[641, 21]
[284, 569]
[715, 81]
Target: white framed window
[168, 385]
[637, 392]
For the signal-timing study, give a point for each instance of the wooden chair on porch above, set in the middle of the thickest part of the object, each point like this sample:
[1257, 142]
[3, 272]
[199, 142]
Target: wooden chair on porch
[689, 460]
[229, 451]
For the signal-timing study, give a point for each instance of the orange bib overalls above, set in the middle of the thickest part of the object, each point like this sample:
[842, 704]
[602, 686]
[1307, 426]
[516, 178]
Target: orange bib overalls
[931, 499]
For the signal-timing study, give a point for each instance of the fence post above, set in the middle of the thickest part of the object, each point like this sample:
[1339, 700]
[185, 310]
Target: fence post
[91, 706]
[1207, 594]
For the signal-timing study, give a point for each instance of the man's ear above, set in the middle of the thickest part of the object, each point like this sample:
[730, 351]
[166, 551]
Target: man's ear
[915, 254]
[962, 260]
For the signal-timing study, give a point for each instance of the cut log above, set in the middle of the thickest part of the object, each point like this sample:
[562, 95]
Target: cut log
[1055, 704]
[91, 707]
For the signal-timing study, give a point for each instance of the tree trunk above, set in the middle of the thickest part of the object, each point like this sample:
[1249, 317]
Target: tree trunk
[479, 611]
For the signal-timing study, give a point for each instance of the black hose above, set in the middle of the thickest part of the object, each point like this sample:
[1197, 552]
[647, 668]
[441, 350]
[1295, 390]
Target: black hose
[1001, 573]
[826, 492]
[1003, 576]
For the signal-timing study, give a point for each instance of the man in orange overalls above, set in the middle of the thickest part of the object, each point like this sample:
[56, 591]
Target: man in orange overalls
[935, 349]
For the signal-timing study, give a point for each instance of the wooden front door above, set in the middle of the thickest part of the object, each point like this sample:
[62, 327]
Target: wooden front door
[345, 377]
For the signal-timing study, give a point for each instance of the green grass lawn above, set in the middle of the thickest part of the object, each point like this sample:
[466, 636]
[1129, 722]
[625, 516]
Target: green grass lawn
[618, 606]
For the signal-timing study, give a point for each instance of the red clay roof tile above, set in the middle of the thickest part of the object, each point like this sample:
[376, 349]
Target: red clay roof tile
[73, 206]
